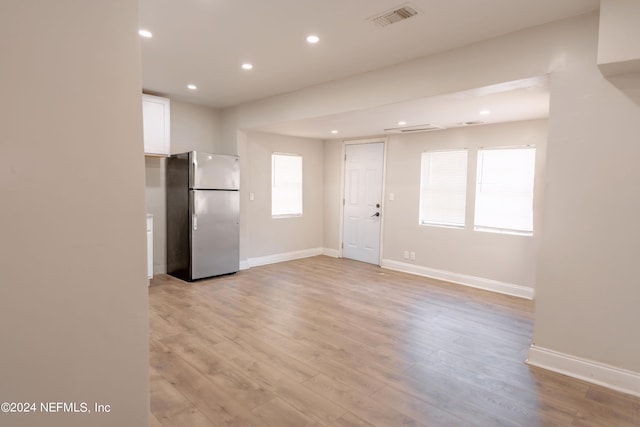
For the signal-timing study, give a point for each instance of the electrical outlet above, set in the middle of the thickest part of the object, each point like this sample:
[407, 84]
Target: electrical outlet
[413, 256]
[406, 254]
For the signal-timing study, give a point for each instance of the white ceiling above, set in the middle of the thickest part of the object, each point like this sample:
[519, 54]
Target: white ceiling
[204, 42]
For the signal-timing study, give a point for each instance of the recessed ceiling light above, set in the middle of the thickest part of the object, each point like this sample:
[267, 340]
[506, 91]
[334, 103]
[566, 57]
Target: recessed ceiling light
[334, 131]
[402, 123]
[192, 87]
[485, 112]
[313, 39]
[247, 66]
[145, 33]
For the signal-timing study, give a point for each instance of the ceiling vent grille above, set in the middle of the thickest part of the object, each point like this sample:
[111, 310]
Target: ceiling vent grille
[397, 14]
[472, 123]
[416, 128]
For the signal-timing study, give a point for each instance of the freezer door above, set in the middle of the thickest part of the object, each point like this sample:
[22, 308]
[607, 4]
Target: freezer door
[214, 171]
[214, 233]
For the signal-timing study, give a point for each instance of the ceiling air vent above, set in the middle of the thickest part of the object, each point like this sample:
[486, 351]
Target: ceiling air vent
[472, 123]
[417, 128]
[398, 13]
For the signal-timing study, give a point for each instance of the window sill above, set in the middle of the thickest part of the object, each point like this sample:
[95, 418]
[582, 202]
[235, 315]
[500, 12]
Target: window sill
[504, 231]
[286, 216]
[433, 224]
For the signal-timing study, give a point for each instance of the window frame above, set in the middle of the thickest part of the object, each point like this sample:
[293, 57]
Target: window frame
[421, 220]
[478, 178]
[274, 156]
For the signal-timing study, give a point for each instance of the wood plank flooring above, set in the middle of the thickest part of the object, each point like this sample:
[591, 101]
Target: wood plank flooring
[338, 343]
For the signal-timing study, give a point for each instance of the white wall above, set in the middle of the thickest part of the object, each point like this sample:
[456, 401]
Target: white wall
[196, 127]
[261, 235]
[587, 296]
[501, 257]
[230, 131]
[617, 54]
[332, 187]
[193, 127]
[73, 293]
[588, 288]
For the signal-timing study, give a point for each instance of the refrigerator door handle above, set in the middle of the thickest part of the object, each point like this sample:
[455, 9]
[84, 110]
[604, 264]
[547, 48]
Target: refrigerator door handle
[194, 215]
[194, 164]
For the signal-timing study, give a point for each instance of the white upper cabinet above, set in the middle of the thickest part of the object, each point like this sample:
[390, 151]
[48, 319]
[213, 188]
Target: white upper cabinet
[156, 118]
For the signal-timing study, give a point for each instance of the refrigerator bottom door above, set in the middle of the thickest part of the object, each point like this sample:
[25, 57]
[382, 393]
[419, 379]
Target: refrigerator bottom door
[214, 233]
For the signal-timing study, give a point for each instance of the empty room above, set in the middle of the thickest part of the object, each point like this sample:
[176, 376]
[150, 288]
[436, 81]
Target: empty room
[339, 213]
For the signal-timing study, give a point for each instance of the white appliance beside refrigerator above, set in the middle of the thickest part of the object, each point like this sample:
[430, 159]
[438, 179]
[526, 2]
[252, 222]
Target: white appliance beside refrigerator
[203, 211]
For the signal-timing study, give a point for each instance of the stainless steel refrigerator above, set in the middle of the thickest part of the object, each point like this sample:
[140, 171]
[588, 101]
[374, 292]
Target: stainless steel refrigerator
[203, 211]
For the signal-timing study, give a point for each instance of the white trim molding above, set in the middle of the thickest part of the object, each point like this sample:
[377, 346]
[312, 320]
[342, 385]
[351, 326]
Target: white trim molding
[287, 256]
[584, 369]
[461, 279]
[333, 253]
[159, 269]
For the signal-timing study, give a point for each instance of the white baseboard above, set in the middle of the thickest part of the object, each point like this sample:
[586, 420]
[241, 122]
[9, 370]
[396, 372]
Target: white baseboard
[159, 269]
[461, 279]
[333, 253]
[287, 256]
[586, 370]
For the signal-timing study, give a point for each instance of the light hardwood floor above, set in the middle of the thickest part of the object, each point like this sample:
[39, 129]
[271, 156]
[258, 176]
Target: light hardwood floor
[334, 342]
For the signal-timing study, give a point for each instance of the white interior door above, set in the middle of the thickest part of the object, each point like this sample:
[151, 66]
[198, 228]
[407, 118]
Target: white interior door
[363, 202]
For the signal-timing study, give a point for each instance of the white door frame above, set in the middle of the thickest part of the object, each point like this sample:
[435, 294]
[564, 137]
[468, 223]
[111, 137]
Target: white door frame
[383, 140]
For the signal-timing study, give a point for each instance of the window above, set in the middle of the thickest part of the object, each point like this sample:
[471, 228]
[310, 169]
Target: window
[286, 185]
[504, 192]
[443, 188]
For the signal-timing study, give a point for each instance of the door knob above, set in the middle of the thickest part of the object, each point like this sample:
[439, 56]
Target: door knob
[376, 214]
